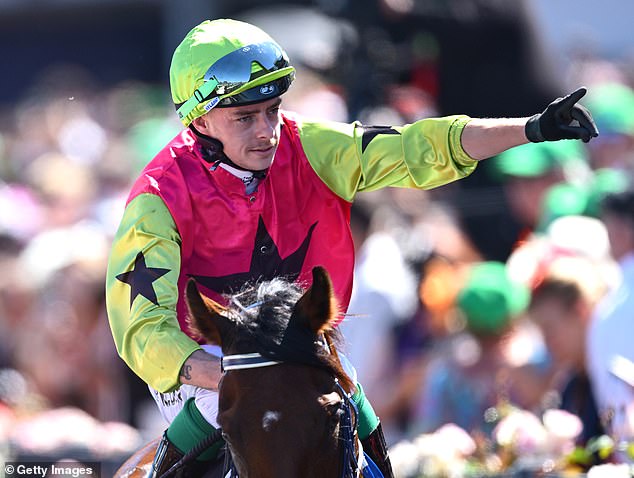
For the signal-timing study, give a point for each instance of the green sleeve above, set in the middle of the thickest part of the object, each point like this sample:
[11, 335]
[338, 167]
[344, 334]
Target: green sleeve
[142, 293]
[353, 157]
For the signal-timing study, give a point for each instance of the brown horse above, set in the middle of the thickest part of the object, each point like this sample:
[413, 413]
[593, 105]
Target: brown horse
[282, 394]
[284, 401]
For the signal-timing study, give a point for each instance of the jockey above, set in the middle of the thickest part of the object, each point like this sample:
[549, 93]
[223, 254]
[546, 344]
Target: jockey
[249, 191]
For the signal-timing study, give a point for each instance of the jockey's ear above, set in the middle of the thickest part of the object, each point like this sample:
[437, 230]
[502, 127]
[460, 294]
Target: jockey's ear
[318, 307]
[207, 318]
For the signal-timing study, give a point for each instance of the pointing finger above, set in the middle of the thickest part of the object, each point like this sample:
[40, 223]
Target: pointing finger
[573, 97]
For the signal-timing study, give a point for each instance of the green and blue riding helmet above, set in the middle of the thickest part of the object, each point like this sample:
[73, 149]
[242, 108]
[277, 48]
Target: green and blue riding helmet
[223, 63]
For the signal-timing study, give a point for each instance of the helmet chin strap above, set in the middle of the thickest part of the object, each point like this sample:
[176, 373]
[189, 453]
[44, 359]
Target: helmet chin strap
[213, 152]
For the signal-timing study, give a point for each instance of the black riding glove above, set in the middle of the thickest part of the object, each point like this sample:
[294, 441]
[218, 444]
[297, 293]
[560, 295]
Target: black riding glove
[562, 119]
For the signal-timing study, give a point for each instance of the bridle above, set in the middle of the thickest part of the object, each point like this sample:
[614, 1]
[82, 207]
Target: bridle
[242, 361]
[348, 435]
[347, 420]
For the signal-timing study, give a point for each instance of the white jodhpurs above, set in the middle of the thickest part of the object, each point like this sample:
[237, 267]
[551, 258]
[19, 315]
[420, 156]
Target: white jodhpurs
[171, 403]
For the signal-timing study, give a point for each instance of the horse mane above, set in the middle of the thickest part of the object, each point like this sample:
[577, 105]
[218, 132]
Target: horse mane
[262, 311]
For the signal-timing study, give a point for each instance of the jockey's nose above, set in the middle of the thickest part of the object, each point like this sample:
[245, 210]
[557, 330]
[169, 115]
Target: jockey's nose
[266, 127]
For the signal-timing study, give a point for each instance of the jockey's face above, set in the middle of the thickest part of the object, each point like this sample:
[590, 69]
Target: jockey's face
[249, 134]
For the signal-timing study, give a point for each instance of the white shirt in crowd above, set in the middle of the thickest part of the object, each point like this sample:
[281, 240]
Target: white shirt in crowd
[610, 348]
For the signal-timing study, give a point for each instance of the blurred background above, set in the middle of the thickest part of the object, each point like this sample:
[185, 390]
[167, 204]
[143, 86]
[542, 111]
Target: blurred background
[84, 104]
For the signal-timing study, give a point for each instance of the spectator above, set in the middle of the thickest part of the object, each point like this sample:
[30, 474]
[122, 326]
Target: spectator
[383, 296]
[610, 351]
[614, 106]
[561, 304]
[529, 171]
[475, 374]
[582, 198]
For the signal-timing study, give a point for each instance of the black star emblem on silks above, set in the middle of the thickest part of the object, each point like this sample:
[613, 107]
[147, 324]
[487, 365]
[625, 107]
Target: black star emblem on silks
[141, 278]
[371, 132]
[266, 263]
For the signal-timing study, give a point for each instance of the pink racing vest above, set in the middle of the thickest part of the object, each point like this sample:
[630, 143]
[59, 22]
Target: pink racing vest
[292, 223]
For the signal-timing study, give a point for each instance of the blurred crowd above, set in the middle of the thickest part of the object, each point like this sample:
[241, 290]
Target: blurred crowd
[443, 335]
[67, 155]
[439, 330]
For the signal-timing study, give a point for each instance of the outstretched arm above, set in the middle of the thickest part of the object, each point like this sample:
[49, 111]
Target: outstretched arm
[562, 119]
[486, 137]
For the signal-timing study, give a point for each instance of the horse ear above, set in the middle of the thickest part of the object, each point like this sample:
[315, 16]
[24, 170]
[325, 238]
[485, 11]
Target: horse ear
[318, 306]
[207, 319]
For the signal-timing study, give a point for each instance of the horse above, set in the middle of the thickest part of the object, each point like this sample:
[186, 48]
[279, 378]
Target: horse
[285, 405]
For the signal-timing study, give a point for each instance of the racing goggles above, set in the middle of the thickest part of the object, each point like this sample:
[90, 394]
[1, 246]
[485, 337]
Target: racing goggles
[231, 75]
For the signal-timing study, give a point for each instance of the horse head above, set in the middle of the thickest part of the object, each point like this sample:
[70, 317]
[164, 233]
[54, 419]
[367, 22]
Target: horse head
[282, 420]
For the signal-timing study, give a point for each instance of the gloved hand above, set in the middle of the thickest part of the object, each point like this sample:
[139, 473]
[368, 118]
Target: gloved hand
[558, 121]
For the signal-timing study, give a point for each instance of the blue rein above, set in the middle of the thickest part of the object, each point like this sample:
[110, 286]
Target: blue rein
[347, 432]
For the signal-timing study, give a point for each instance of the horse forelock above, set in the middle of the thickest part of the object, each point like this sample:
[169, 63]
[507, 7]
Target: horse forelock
[261, 311]
[262, 314]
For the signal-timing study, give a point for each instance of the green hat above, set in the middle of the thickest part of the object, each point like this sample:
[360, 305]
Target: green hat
[612, 107]
[563, 199]
[226, 63]
[537, 159]
[489, 299]
[605, 181]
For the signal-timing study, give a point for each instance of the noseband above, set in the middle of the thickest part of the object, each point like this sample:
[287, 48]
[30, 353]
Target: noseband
[347, 421]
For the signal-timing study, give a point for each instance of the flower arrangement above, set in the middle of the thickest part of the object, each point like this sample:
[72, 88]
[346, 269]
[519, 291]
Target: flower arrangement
[520, 445]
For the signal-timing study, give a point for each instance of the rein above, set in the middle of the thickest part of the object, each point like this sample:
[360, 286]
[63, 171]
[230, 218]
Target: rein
[200, 447]
[351, 466]
[348, 420]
